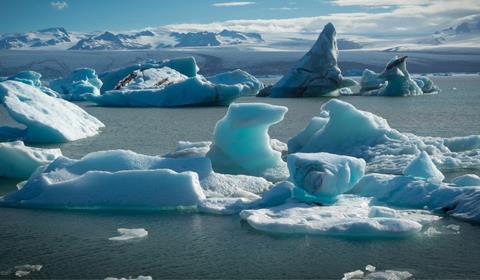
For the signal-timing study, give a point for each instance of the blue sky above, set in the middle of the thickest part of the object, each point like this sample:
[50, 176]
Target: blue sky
[356, 16]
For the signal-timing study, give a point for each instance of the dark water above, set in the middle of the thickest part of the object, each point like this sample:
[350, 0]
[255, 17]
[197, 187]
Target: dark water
[74, 244]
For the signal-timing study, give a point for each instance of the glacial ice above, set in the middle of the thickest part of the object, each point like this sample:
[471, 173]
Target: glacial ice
[316, 73]
[151, 78]
[75, 87]
[242, 144]
[467, 180]
[395, 80]
[423, 167]
[324, 174]
[32, 78]
[114, 180]
[185, 65]
[250, 84]
[343, 129]
[407, 191]
[127, 234]
[349, 216]
[20, 161]
[47, 119]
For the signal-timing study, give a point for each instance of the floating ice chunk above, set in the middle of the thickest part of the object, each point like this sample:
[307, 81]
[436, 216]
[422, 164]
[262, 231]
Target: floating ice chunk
[423, 167]
[127, 234]
[26, 269]
[242, 144]
[467, 180]
[455, 228]
[114, 180]
[427, 85]
[370, 268]
[81, 82]
[389, 275]
[345, 91]
[250, 84]
[316, 73]
[406, 191]
[20, 161]
[458, 144]
[324, 174]
[32, 78]
[47, 119]
[151, 78]
[141, 277]
[399, 82]
[347, 217]
[297, 142]
[185, 65]
[370, 81]
[432, 231]
[357, 274]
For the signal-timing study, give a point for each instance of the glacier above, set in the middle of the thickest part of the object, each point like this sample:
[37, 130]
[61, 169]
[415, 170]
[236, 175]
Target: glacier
[81, 82]
[20, 161]
[241, 142]
[316, 73]
[47, 119]
[343, 129]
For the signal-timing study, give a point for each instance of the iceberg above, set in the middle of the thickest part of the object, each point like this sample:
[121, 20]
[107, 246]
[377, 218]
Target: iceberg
[32, 78]
[316, 73]
[370, 81]
[20, 161]
[113, 180]
[324, 174]
[250, 84]
[423, 167]
[407, 191]
[81, 82]
[427, 85]
[349, 216]
[242, 145]
[343, 129]
[467, 180]
[151, 78]
[127, 234]
[47, 119]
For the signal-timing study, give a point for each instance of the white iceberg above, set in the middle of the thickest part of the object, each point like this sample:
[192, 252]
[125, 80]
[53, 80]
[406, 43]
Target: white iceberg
[20, 161]
[26, 269]
[32, 78]
[407, 191]
[75, 87]
[324, 174]
[343, 129]
[127, 234]
[47, 119]
[114, 180]
[250, 84]
[467, 180]
[242, 145]
[316, 73]
[423, 167]
[151, 78]
[349, 216]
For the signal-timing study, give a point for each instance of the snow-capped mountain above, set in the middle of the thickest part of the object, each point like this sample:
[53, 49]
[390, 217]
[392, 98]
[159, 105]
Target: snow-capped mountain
[464, 31]
[59, 38]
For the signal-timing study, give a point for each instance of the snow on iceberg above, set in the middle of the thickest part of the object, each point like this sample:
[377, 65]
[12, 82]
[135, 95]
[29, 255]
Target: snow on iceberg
[423, 167]
[185, 65]
[242, 144]
[113, 180]
[47, 119]
[324, 174]
[250, 84]
[127, 234]
[316, 73]
[151, 78]
[349, 216]
[20, 161]
[345, 130]
[407, 191]
[32, 78]
[467, 180]
[81, 82]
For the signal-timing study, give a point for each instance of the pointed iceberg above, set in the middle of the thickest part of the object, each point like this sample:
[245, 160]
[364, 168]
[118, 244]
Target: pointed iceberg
[423, 167]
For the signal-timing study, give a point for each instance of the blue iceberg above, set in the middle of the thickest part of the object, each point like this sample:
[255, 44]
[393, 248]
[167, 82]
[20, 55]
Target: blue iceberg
[75, 87]
[32, 78]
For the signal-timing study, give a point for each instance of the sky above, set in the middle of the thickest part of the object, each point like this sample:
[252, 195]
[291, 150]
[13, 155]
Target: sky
[349, 16]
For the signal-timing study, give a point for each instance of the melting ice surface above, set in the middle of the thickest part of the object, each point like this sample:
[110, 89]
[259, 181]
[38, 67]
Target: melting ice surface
[47, 119]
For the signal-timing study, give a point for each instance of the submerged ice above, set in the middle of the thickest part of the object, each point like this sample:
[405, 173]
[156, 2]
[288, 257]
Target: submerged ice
[47, 119]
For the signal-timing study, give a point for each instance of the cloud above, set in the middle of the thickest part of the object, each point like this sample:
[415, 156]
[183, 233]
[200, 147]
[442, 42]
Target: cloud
[283, 9]
[59, 5]
[413, 16]
[233, 4]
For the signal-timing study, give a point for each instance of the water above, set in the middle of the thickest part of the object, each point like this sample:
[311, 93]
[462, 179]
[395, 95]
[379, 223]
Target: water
[74, 244]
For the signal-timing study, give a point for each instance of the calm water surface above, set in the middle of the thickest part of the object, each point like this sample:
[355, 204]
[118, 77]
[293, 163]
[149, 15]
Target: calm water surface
[74, 244]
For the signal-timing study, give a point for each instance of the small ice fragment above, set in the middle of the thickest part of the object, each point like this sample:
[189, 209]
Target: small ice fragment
[454, 88]
[26, 269]
[129, 234]
[357, 274]
[423, 167]
[390, 275]
[455, 228]
[141, 277]
[431, 231]
[370, 268]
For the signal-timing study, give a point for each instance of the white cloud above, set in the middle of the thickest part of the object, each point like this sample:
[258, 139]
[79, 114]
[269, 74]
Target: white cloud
[283, 9]
[59, 5]
[233, 4]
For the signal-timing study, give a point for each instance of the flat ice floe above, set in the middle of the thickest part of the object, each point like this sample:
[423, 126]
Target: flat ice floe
[47, 119]
[20, 161]
[127, 234]
[350, 216]
[342, 129]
